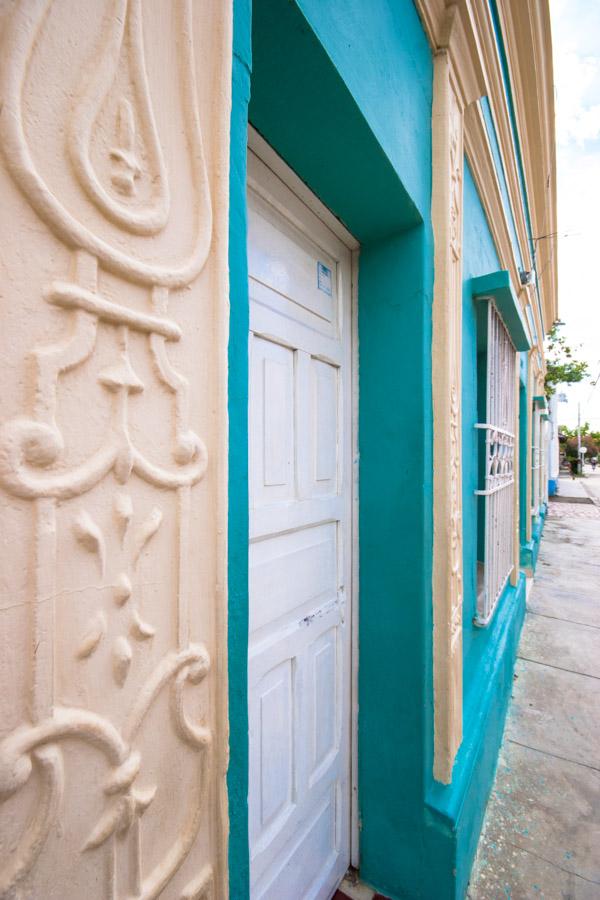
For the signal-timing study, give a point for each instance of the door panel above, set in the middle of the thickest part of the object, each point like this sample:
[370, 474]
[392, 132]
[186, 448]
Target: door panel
[300, 502]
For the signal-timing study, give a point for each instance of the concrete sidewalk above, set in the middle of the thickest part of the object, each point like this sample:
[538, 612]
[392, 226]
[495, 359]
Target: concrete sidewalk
[541, 835]
[572, 488]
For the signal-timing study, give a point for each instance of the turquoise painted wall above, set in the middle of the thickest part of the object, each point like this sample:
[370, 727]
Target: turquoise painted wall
[379, 48]
[237, 536]
[395, 561]
[329, 94]
[342, 91]
[308, 113]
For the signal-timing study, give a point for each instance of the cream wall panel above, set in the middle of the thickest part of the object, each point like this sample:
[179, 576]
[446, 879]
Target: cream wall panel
[114, 147]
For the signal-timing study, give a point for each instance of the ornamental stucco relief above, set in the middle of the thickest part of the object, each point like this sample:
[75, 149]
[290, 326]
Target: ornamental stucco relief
[113, 172]
[447, 581]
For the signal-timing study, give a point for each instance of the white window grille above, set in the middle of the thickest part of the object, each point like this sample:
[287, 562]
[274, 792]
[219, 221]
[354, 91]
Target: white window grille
[546, 459]
[536, 463]
[498, 492]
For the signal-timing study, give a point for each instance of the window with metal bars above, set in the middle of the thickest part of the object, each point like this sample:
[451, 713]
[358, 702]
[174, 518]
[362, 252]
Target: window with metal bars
[536, 462]
[497, 453]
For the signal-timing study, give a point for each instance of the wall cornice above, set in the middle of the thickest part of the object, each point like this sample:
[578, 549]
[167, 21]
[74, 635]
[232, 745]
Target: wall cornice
[528, 41]
[476, 70]
[481, 161]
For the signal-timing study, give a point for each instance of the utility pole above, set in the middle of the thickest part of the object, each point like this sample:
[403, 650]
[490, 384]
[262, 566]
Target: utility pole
[579, 466]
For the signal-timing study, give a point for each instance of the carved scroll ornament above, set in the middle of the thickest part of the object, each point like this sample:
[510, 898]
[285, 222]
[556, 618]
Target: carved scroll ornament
[113, 217]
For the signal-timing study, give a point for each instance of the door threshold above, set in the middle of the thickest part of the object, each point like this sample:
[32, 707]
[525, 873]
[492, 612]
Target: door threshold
[352, 888]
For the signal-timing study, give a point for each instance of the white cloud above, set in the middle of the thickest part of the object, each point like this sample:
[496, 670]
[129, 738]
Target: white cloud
[576, 78]
[576, 38]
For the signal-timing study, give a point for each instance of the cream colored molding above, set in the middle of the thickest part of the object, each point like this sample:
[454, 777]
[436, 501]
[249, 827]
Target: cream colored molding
[449, 26]
[114, 149]
[528, 471]
[481, 162]
[537, 154]
[477, 71]
[433, 18]
[475, 62]
[514, 575]
[447, 580]
[501, 116]
[527, 34]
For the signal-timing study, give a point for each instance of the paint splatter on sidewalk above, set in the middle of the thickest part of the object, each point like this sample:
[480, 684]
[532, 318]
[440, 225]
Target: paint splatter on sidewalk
[572, 511]
[541, 835]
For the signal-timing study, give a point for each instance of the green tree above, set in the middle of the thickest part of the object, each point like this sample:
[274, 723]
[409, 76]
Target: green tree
[561, 366]
[585, 430]
[587, 441]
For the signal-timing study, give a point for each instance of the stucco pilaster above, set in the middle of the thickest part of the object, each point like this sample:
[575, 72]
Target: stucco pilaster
[447, 186]
[114, 148]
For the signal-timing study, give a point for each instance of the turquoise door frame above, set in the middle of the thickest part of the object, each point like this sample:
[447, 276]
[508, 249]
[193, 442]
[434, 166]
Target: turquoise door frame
[339, 141]
[342, 91]
[237, 531]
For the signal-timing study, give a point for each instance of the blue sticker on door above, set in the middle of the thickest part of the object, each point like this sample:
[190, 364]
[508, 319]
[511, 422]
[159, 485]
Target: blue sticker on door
[324, 278]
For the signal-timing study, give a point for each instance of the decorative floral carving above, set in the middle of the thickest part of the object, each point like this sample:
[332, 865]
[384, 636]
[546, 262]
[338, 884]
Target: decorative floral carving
[456, 587]
[122, 183]
[456, 167]
[94, 634]
[200, 888]
[127, 168]
[446, 351]
[19, 50]
[92, 538]
[37, 747]
[89, 536]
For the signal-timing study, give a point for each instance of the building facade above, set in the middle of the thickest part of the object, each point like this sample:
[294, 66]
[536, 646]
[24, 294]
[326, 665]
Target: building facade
[273, 454]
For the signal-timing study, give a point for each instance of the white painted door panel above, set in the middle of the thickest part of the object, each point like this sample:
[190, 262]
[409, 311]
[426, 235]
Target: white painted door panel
[300, 506]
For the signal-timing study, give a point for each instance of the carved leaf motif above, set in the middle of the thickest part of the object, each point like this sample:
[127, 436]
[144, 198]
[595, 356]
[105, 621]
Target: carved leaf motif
[119, 817]
[200, 888]
[143, 799]
[110, 822]
[123, 36]
[140, 629]
[147, 530]
[123, 589]
[90, 536]
[122, 655]
[93, 636]
[123, 512]
[126, 165]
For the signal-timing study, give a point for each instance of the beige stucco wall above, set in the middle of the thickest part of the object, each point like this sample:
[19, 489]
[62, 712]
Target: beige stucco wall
[113, 239]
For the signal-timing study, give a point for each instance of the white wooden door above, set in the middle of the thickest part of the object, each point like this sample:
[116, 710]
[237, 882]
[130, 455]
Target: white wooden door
[300, 544]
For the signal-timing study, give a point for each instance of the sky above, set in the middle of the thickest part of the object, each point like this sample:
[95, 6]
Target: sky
[576, 46]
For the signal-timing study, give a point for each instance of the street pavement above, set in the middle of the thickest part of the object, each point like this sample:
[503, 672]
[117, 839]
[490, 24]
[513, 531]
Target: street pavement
[541, 835]
[591, 482]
